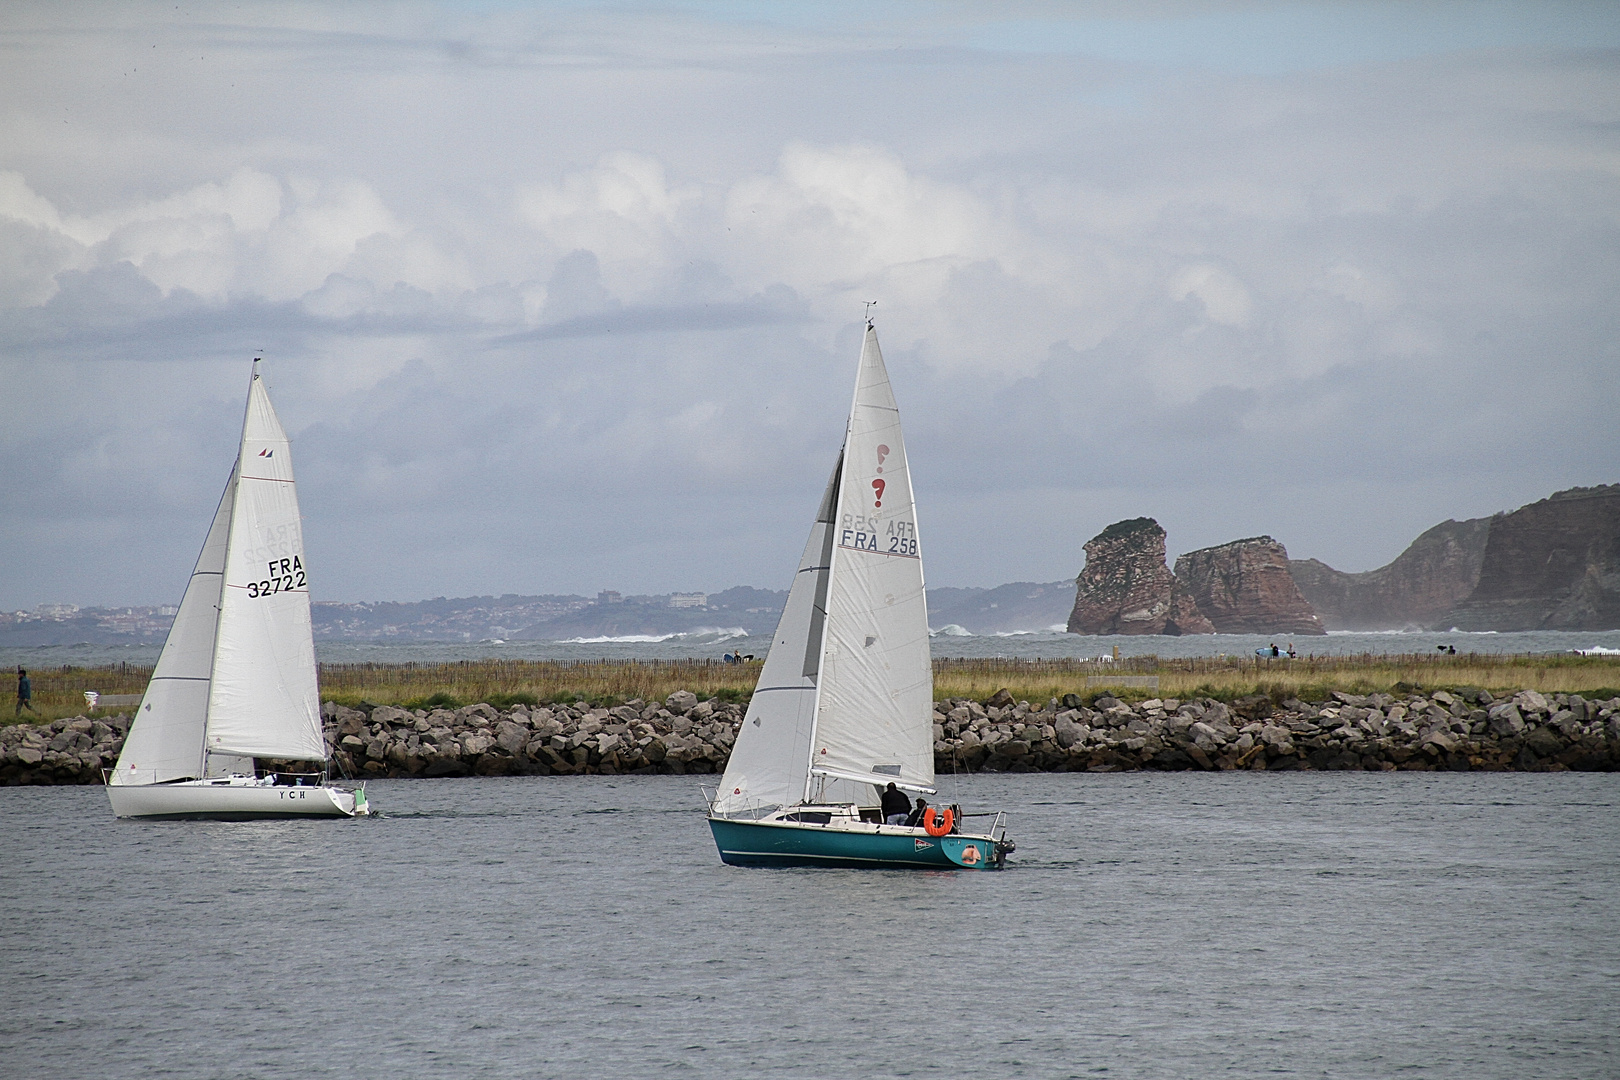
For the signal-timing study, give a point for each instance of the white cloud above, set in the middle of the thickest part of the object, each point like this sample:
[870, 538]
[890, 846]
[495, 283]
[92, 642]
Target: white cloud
[1223, 296]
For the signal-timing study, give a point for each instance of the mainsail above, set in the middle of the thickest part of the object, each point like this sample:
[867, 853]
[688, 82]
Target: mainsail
[263, 699]
[165, 742]
[846, 693]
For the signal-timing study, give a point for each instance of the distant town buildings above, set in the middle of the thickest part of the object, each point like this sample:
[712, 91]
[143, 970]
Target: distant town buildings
[609, 596]
[688, 599]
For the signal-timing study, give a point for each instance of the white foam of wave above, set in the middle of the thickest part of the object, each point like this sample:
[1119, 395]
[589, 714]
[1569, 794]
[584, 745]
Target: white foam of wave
[951, 630]
[1598, 650]
[1397, 633]
[714, 634]
[1374, 633]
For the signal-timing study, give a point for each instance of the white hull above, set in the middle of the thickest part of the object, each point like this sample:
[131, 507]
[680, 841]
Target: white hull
[230, 799]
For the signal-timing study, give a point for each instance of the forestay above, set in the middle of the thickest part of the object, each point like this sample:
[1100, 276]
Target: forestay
[165, 741]
[263, 700]
[770, 762]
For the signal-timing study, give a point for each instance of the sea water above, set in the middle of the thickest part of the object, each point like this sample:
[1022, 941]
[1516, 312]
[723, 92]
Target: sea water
[1149, 925]
[713, 645]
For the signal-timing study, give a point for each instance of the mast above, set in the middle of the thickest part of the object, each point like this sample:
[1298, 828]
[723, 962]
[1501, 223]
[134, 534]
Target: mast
[219, 605]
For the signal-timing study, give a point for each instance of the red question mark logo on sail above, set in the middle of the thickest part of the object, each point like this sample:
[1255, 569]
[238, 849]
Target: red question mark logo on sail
[879, 485]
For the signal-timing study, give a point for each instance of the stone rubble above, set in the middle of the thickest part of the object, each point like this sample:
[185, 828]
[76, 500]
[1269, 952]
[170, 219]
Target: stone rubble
[1462, 729]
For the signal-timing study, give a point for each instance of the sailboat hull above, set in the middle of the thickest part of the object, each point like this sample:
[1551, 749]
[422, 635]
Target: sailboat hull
[769, 843]
[217, 801]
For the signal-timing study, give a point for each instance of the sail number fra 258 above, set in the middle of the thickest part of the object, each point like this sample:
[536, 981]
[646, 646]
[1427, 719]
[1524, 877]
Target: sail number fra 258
[285, 576]
[865, 533]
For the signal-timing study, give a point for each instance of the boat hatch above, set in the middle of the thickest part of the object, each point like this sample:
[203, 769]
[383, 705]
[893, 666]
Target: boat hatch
[809, 817]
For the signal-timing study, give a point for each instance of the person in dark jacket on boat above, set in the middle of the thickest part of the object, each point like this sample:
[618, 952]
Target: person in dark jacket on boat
[915, 818]
[896, 807]
[25, 694]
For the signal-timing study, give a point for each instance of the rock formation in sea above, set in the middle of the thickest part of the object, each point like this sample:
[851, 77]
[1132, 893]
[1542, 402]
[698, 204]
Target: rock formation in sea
[1244, 587]
[1125, 586]
[1434, 574]
[1184, 616]
[1551, 565]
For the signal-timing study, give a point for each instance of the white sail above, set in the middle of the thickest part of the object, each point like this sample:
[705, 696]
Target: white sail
[770, 762]
[874, 721]
[165, 740]
[263, 700]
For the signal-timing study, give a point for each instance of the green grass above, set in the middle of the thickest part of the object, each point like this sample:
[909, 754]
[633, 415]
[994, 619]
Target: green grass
[59, 692]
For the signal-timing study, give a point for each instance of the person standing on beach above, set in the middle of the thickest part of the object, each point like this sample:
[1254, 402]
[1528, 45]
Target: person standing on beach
[25, 692]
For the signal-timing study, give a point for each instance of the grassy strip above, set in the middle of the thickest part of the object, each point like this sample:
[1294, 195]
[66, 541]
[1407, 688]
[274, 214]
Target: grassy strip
[58, 692]
[1310, 679]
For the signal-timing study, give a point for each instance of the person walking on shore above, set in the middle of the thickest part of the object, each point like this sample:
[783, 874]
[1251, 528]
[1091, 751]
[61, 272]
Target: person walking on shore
[25, 692]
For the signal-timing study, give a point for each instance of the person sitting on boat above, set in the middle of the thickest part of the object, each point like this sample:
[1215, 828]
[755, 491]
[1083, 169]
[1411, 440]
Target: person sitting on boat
[896, 807]
[914, 820]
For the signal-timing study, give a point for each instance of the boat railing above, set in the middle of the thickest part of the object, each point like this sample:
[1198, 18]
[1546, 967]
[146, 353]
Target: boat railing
[998, 827]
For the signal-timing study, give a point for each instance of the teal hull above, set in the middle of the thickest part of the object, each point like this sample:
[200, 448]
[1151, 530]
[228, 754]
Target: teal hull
[758, 843]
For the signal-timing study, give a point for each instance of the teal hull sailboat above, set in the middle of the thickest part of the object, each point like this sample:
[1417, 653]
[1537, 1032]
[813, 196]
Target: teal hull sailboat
[786, 843]
[844, 704]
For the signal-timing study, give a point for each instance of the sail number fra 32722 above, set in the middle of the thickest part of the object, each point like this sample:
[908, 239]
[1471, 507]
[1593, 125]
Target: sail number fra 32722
[286, 575]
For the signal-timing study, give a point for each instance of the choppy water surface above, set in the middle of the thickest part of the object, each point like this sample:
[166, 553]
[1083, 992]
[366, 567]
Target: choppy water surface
[1151, 925]
[1045, 645]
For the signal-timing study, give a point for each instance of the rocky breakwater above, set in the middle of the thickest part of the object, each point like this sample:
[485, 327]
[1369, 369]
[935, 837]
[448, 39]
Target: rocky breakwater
[1459, 730]
[678, 735]
[62, 751]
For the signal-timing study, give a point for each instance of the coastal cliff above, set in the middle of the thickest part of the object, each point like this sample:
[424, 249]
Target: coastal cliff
[1244, 587]
[1435, 573]
[1551, 565]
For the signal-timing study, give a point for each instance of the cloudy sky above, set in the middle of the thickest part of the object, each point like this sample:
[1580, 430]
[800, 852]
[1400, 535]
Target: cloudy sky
[556, 298]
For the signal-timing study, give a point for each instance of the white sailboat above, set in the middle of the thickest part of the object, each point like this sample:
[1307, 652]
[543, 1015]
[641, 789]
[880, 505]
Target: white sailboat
[236, 679]
[844, 704]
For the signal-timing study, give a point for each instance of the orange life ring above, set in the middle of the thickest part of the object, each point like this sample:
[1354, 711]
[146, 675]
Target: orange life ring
[943, 827]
